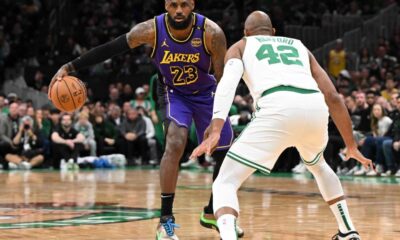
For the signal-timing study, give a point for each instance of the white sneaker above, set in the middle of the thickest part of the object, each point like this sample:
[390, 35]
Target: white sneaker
[153, 162]
[379, 168]
[353, 170]
[208, 158]
[397, 173]
[25, 165]
[297, 166]
[372, 173]
[360, 172]
[301, 169]
[63, 165]
[191, 163]
[166, 230]
[343, 171]
[388, 173]
[75, 167]
[70, 164]
[12, 166]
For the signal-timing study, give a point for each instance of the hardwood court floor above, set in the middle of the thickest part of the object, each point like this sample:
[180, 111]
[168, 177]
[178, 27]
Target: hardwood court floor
[122, 204]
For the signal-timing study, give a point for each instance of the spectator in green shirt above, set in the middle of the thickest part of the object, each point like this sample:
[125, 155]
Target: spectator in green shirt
[105, 135]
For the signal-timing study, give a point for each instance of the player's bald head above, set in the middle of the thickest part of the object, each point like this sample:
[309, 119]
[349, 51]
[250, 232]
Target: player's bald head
[258, 23]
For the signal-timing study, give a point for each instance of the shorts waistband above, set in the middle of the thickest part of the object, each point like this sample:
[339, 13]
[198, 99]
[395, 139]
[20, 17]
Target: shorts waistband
[288, 88]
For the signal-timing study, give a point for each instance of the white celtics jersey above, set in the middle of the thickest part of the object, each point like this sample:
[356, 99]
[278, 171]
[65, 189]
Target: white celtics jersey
[271, 61]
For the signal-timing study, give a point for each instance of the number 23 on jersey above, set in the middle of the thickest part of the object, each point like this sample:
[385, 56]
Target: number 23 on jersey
[184, 75]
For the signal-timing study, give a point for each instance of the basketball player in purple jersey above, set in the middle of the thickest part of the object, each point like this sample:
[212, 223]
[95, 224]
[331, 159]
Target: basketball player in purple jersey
[186, 47]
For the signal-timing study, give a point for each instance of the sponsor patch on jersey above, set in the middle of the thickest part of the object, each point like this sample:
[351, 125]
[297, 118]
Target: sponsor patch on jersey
[196, 42]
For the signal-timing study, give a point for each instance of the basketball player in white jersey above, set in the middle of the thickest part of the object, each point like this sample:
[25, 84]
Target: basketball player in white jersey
[292, 96]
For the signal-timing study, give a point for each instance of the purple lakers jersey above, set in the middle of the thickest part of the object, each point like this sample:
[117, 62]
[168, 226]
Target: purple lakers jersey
[184, 64]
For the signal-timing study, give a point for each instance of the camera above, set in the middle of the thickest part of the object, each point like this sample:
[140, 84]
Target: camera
[27, 126]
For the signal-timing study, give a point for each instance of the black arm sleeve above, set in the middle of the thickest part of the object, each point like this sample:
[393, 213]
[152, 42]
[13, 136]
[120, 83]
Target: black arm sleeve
[101, 53]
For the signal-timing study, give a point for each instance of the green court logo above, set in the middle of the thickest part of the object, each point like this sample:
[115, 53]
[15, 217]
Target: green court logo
[17, 216]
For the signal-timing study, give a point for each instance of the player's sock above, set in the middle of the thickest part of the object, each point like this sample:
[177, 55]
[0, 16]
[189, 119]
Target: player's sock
[167, 200]
[342, 215]
[331, 188]
[218, 157]
[227, 227]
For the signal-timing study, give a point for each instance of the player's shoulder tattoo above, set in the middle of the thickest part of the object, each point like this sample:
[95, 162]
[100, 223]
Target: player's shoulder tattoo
[142, 33]
[215, 36]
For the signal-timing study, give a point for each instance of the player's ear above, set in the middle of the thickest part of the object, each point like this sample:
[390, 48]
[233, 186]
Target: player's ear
[192, 4]
[273, 31]
[245, 32]
[166, 4]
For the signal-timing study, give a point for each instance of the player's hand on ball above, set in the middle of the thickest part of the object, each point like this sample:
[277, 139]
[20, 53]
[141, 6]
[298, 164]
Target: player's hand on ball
[208, 145]
[62, 72]
[357, 155]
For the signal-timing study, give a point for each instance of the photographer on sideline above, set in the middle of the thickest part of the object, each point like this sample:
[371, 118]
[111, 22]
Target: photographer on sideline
[29, 147]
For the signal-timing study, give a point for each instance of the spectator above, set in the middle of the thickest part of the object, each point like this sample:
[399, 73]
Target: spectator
[126, 106]
[364, 113]
[22, 110]
[54, 119]
[392, 109]
[30, 111]
[67, 143]
[38, 80]
[9, 125]
[390, 87]
[344, 83]
[106, 135]
[141, 101]
[383, 60]
[12, 97]
[133, 133]
[42, 125]
[115, 116]
[364, 59]
[29, 151]
[114, 96]
[3, 105]
[337, 59]
[372, 97]
[127, 93]
[150, 136]
[391, 146]
[380, 124]
[84, 127]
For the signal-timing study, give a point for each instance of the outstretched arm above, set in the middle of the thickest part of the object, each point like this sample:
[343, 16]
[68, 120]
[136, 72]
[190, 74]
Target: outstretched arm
[142, 33]
[223, 99]
[338, 111]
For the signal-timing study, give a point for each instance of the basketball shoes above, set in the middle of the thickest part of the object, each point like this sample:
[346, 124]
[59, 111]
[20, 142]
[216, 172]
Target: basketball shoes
[166, 227]
[353, 235]
[208, 220]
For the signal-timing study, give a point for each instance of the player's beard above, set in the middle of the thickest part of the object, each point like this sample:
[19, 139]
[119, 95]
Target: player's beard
[179, 25]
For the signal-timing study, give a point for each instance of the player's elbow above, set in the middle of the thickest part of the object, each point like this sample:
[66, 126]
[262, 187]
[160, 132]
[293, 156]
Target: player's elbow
[332, 98]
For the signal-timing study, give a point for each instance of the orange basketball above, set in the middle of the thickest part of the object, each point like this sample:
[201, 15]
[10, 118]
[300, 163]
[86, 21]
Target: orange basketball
[68, 94]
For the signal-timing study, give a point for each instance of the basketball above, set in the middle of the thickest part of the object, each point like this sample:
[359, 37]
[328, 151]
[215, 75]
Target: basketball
[68, 94]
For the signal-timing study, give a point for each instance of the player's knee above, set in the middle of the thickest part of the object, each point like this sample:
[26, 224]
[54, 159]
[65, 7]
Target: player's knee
[319, 167]
[225, 194]
[222, 184]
